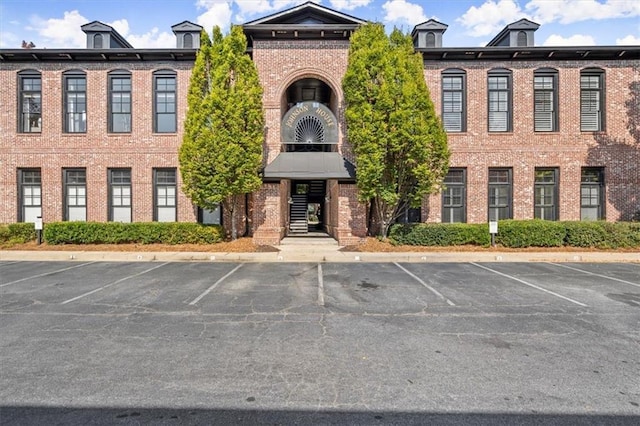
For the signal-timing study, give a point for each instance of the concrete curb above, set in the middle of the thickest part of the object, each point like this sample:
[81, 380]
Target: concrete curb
[314, 254]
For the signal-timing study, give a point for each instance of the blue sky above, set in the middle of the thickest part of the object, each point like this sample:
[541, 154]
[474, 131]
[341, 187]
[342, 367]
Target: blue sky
[147, 23]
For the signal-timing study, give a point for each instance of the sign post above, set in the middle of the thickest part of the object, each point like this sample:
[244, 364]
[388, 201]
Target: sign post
[493, 230]
[38, 226]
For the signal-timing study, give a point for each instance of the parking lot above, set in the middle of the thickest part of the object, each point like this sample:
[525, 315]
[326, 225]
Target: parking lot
[392, 343]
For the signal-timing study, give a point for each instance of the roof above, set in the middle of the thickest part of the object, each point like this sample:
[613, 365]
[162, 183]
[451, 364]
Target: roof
[431, 24]
[95, 55]
[186, 27]
[99, 27]
[306, 11]
[310, 165]
[522, 24]
[306, 21]
[545, 53]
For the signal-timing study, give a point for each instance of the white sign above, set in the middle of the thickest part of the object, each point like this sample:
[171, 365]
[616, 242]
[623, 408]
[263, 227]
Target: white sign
[38, 223]
[493, 227]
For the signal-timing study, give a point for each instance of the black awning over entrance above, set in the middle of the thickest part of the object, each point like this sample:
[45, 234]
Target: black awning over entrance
[310, 165]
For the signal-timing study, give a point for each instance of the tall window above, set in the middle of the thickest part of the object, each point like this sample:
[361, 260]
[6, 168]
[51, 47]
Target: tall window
[97, 41]
[500, 190]
[75, 194]
[188, 41]
[454, 203]
[430, 39]
[499, 85]
[120, 102]
[30, 88]
[592, 100]
[30, 194]
[546, 194]
[120, 195]
[453, 101]
[165, 185]
[545, 95]
[165, 101]
[521, 39]
[592, 193]
[75, 102]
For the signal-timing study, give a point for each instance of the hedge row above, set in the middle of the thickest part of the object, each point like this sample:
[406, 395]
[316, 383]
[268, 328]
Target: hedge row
[521, 233]
[17, 233]
[139, 233]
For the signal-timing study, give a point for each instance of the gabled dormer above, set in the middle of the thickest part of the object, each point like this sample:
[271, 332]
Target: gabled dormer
[304, 22]
[428, 34]
[187, 35]
[517, 34]
[103, 36]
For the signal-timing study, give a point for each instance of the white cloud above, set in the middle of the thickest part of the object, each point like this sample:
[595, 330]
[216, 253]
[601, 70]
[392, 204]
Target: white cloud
[629, 40]
[9, 40]
[248, 9]
[217, 13]
[491, 17]
[401, 11]
[63, 32]
[349, 4]
[568, 11]
[153, 39]
[574, 40]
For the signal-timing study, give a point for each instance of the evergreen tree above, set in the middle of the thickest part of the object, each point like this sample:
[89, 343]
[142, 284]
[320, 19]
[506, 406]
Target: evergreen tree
[398, 141]
[221, 152]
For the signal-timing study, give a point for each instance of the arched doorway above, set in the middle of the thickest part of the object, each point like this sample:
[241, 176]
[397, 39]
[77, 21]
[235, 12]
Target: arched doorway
[309, 135]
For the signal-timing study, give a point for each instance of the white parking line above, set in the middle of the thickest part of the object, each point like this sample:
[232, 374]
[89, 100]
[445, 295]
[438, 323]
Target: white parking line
[207, 291]
[594, 274]
[530, 285]
[45, 274]
[320, 286]
[110, 284]
[433, 290]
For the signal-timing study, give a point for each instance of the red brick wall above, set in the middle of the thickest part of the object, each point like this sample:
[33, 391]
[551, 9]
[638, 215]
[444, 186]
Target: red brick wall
[279, 65]
[96, 150]
[569, 149]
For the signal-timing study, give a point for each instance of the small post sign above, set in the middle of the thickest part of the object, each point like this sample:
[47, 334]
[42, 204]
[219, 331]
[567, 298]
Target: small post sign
[38, 227]
[493, 230]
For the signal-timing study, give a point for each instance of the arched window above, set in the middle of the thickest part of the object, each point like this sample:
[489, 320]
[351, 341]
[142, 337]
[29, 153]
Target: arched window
[164, 94]
[522, 39]
[75, 101]
[188, 41]
[120, 101]
[431, 39]
[592, 100]
[500, 111]
[97, 41]
[453, 100]
[30, 101]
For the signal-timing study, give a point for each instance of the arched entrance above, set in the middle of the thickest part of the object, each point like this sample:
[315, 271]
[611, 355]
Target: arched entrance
[309, 135]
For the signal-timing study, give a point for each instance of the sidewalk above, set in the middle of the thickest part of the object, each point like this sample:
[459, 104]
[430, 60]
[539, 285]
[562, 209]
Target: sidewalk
[320, 253]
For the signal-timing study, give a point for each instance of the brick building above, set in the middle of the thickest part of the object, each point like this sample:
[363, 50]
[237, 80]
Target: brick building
[93, 134]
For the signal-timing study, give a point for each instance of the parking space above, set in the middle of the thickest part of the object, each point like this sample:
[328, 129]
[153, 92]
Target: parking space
[357, 288]
[401, 337]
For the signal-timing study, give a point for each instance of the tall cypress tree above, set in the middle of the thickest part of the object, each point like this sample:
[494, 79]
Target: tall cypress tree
[221, 153]
[398, 141]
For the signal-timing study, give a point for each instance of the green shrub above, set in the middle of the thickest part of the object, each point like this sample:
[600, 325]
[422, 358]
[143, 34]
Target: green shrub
[585, 234]
[521, 233]
[17, 233]
[139, 233]
[530, 233]
[440, 234]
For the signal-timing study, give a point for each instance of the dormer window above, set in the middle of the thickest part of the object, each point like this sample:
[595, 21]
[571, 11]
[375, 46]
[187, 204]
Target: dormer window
[97, 41]
[522, 39]
[188, 41]
[431, 39]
